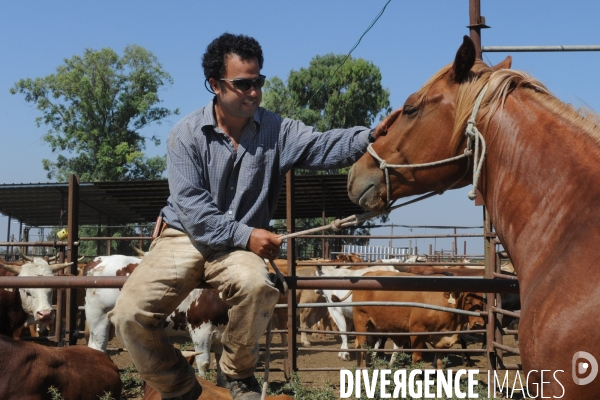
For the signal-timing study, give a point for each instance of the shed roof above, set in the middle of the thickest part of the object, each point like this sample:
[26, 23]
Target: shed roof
[44, 204]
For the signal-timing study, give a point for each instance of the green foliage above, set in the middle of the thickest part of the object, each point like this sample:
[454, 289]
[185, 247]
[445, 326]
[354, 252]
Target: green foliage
[95, 106]
[132, 384]
[295, 389]
[56, 395]
[328, 96]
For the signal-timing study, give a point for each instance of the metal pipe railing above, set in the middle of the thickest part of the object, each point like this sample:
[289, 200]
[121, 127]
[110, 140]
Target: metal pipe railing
[431, 284]
[516, 49]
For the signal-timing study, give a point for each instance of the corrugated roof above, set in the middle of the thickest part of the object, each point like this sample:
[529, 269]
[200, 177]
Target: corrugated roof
[41, 204]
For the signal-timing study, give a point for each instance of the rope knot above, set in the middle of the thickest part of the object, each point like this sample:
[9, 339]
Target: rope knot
[336, 225]
[383, 165]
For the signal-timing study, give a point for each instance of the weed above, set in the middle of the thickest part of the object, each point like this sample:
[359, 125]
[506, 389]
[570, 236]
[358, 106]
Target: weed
[132, 384]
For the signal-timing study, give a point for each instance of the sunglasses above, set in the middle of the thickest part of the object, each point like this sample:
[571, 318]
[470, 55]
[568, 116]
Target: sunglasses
[245, 83]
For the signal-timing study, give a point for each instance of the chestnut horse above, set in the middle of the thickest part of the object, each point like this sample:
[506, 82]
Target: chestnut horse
[540, 182]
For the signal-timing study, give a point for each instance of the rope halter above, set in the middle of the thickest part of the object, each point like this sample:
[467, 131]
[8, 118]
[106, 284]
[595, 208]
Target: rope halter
[474, 148]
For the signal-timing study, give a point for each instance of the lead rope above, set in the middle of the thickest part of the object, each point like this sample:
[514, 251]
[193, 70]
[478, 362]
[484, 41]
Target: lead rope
[474, 135]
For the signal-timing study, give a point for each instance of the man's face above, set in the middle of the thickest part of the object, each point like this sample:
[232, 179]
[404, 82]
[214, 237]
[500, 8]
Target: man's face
[234, 101]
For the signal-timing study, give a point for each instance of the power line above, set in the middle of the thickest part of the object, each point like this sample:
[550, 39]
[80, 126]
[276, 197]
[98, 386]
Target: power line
[351, 50]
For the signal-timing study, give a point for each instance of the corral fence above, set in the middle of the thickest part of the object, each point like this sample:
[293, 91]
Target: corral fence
[492, 284]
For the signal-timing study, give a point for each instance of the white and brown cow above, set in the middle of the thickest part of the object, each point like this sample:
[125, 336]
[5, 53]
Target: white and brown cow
[28, 370]
[343, 313]
[36, 303]
[202, 316]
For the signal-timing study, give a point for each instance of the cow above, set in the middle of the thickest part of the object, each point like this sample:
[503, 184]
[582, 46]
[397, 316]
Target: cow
[36, 303]
[12, 315]
[202, 316]
[413, 319]
[340, 314]
[29, 370]
[308, 316]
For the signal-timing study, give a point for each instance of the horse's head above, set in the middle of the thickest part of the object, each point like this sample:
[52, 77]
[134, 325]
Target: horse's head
[430, 129]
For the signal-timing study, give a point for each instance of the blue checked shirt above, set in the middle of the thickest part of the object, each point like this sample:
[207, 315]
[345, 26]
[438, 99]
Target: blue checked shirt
[218, 195]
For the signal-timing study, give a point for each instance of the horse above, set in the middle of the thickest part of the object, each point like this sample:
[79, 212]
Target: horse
[536, 163]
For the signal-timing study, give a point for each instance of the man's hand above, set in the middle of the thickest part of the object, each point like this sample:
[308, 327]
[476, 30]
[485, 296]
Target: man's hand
[382, 128]
[264, 243]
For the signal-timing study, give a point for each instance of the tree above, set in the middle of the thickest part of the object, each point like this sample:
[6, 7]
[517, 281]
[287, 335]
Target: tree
[335, 91]
[95, 106]
[327, 96]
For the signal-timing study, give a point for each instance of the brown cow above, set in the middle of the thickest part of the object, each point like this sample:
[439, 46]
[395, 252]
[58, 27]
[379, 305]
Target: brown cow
[28, 370]
[308, 316]
[412, 319]
[12, 315]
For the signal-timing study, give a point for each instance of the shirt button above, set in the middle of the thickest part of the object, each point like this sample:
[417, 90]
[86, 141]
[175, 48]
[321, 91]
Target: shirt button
[230, 212]
[231, 188]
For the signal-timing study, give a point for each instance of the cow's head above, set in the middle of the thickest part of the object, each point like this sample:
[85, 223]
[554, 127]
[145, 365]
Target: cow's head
[36, 301]
[474, 302]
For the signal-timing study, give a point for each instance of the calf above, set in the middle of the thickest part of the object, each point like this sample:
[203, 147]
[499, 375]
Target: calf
[28, 370]
[340, 314]
[202, 316]
[36, 303]
[413, 319]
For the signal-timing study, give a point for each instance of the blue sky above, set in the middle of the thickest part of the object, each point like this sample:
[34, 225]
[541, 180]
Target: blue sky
[410, 42]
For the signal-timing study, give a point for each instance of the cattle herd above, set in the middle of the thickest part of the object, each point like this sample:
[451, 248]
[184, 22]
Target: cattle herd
[86, 372]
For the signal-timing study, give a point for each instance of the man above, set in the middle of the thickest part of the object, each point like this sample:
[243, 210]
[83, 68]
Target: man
[226, 164]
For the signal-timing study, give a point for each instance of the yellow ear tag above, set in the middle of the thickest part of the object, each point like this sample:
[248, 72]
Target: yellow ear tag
[62, 234]
[451, 299]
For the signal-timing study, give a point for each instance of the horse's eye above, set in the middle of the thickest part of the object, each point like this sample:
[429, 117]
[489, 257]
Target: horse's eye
[409, 110]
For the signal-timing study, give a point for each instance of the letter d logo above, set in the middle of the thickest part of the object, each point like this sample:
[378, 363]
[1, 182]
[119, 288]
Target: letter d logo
[582, 367]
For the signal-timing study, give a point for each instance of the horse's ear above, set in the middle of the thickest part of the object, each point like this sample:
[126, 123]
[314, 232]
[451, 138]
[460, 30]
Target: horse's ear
[506, 64]
[464, 61]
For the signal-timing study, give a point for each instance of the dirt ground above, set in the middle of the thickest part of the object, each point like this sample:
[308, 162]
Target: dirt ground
[318, 359]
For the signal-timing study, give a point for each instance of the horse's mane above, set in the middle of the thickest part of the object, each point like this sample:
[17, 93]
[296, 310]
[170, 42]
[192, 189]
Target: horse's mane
[501, 83]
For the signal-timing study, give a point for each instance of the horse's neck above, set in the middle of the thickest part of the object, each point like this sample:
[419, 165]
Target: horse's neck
[542, 179]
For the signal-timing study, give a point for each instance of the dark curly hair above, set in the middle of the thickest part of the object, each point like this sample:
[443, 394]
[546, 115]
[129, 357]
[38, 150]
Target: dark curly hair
[213, 60]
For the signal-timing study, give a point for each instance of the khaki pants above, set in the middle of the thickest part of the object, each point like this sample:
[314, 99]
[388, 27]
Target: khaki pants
[171, 270]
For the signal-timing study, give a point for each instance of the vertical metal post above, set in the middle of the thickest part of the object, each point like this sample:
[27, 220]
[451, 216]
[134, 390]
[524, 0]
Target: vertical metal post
[498, 338]
[108, 241]
[476, 23]
[490, 297]
[98, 233]
[60, 304]
[291, 364]
[26, 239]
[323, 222]
[72, 255]
[8, 248]
[141, 242]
